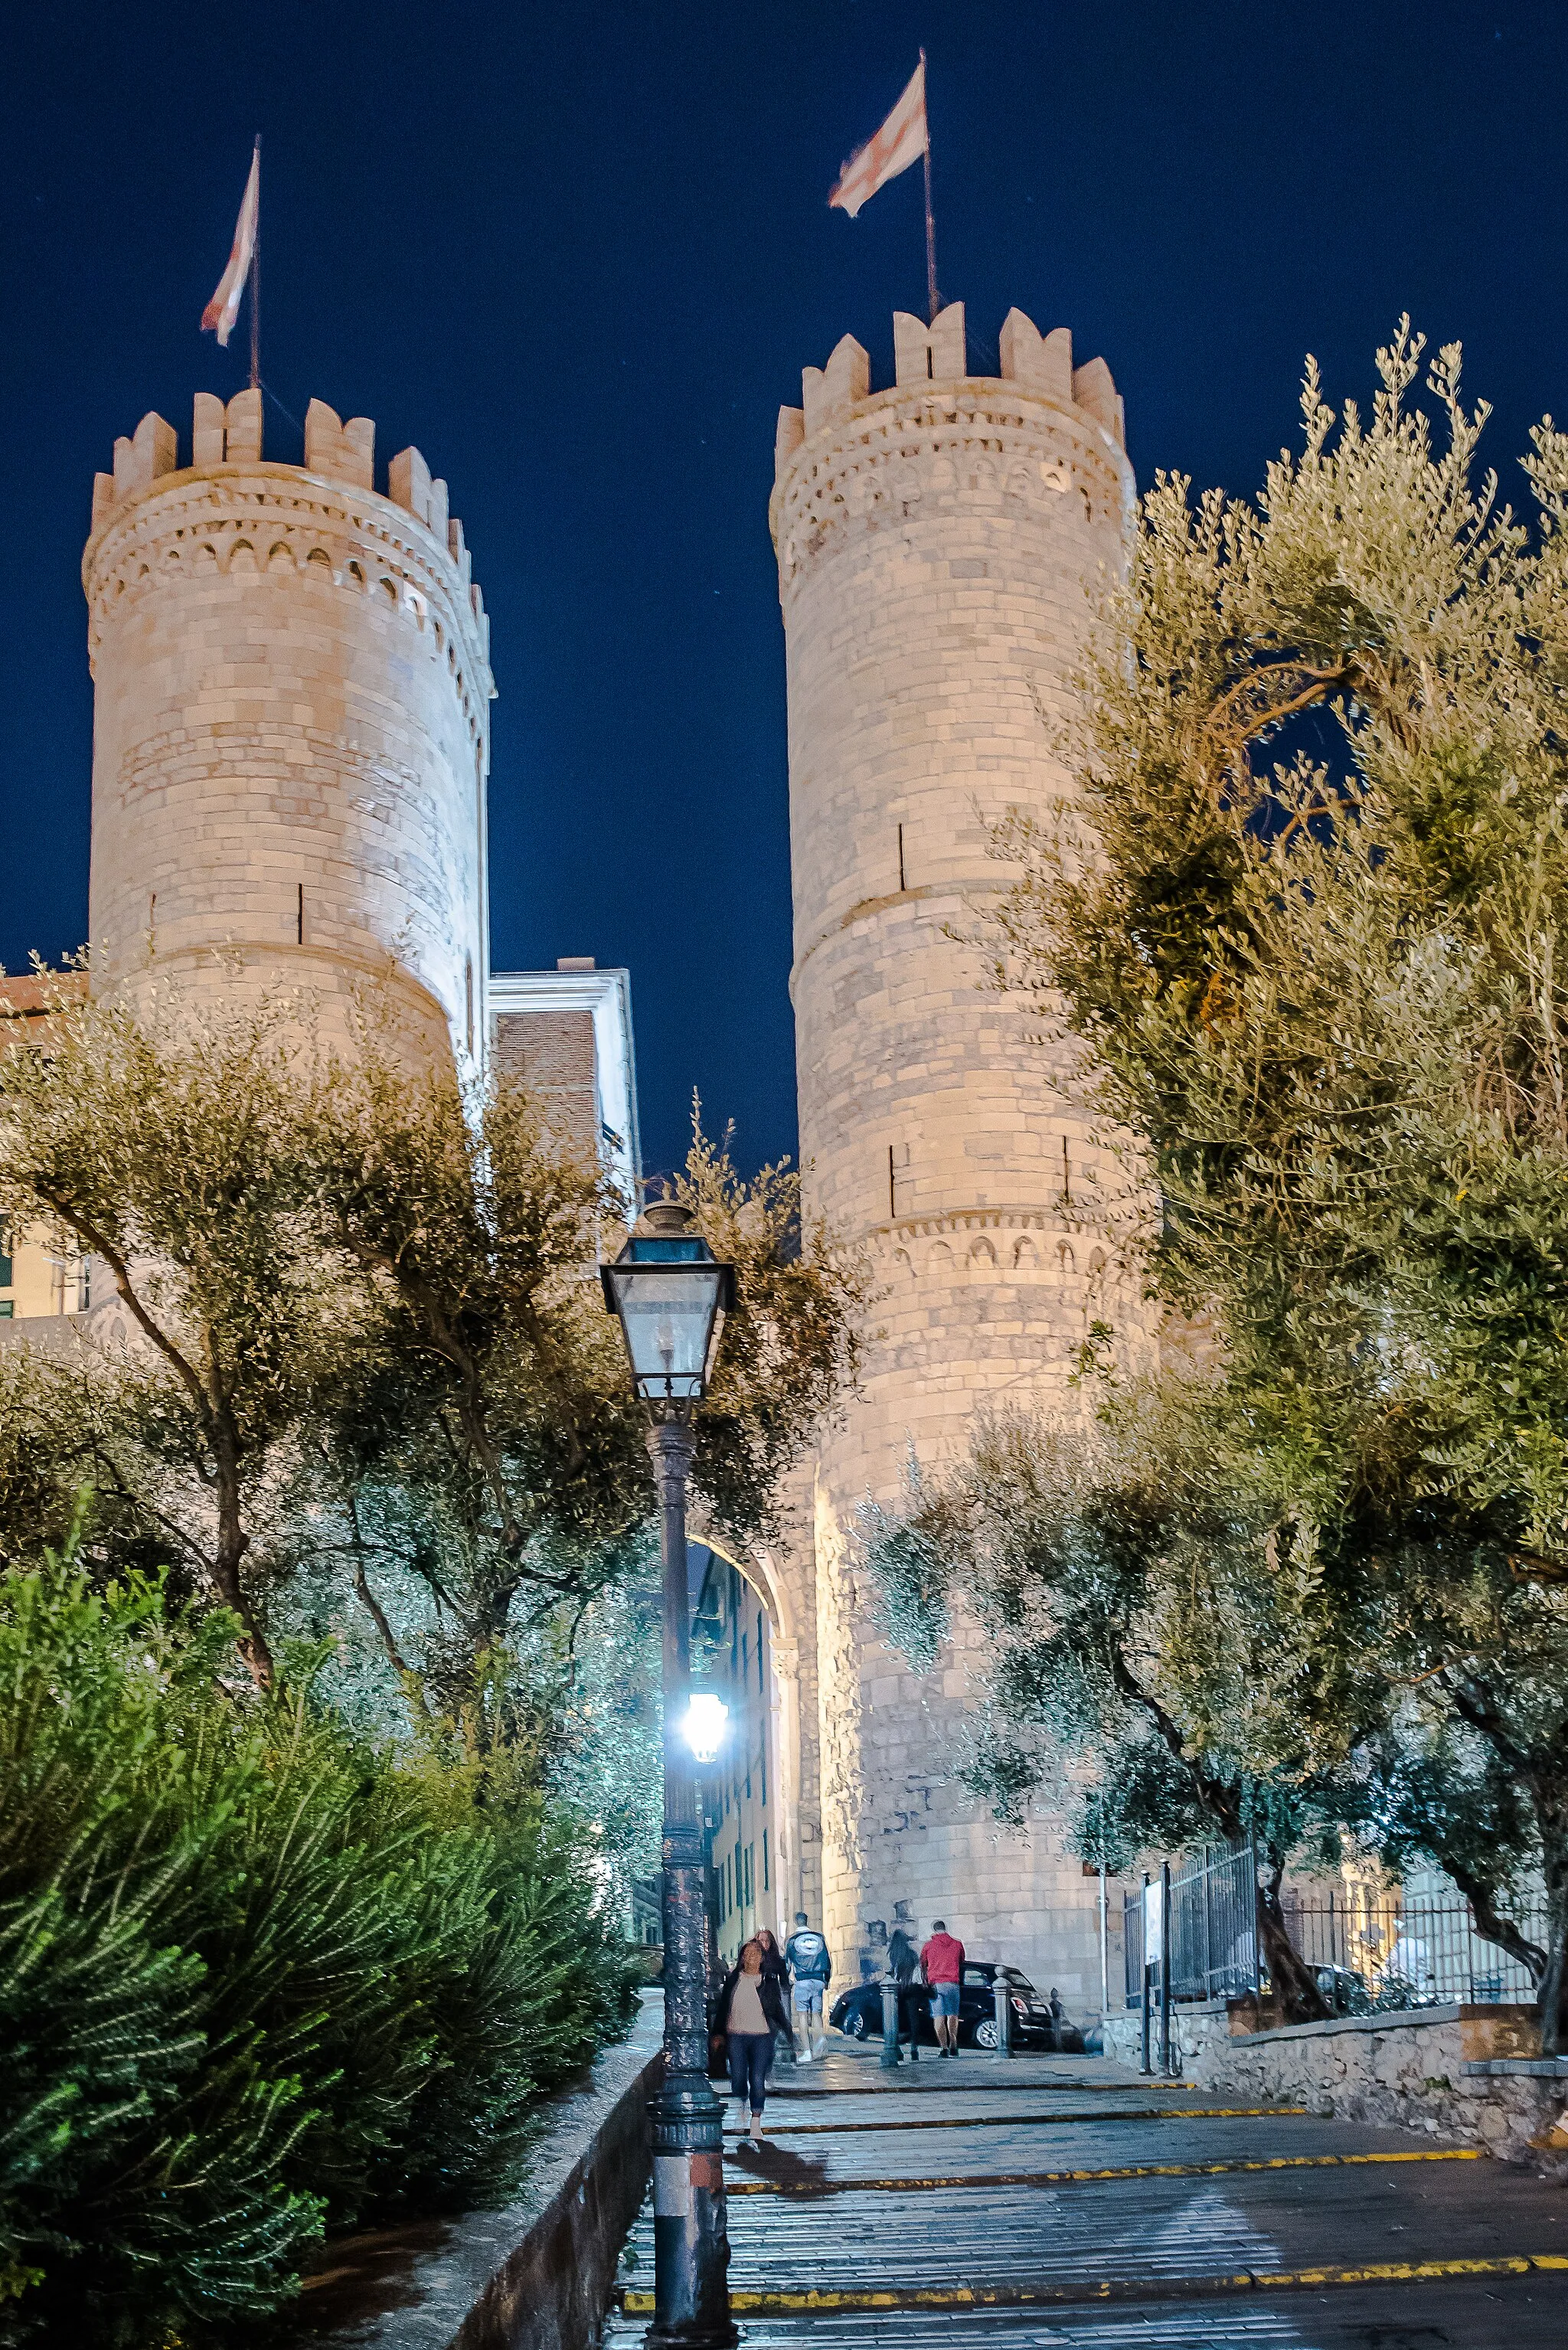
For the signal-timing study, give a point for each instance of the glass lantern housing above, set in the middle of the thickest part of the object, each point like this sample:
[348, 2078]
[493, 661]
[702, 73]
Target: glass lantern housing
[707, 1718]
[670, 1295]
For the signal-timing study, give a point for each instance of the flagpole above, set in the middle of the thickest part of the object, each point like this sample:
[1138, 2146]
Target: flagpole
[255, 271]
[930, 223]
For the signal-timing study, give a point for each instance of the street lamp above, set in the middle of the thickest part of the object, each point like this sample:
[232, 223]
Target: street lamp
[671, 1297]
[707, 1718]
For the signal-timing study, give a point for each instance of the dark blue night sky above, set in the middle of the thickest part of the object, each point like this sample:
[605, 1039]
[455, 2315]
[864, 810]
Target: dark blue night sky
[579, 255]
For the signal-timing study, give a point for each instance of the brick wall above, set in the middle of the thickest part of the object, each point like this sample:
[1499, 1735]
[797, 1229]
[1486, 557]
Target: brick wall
[552, 1052]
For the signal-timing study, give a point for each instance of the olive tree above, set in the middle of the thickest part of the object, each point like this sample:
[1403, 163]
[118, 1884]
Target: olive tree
[167, 1147]
[1308, 913]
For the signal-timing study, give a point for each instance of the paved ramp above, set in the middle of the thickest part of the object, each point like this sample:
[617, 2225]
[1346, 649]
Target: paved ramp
[1065, 2203]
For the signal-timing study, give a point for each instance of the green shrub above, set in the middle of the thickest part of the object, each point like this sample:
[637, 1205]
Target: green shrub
[258, 1977]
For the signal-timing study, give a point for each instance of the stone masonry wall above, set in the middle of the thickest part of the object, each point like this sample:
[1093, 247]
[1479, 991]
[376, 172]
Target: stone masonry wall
[1420, 2070]
[1459, 2072]
[937, 545]
[291, 723]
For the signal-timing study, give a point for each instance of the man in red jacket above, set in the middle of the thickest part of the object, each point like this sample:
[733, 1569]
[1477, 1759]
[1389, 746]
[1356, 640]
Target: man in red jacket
[941, 1964]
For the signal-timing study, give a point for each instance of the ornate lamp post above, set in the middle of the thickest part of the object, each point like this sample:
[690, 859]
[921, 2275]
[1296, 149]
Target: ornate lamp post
[671, 1296]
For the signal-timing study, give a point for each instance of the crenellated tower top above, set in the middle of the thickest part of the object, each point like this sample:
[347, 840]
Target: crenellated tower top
[1040, 366]
[291, 725]
[227, 436]
[1042, 427]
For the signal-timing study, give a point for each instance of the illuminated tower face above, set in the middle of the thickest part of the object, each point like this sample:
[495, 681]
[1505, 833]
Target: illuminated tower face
[291, 725]
[937, 546]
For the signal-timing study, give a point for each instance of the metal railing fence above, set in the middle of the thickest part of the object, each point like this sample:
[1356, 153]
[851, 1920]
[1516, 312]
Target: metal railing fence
[1370, 1947]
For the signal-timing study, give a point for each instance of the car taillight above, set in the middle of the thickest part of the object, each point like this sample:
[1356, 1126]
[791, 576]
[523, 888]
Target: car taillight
[1020, 2007]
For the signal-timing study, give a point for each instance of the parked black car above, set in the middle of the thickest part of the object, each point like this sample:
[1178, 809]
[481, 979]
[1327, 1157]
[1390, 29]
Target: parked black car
[858, 2013]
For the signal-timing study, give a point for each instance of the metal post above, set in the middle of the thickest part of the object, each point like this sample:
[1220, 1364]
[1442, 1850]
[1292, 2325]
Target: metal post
[1165, 1966]
[256, 279]
[889, 2024]
[1003, 2018]
[1144, 2066]
[1105, 1955]
[931, 299]
[691, 2250]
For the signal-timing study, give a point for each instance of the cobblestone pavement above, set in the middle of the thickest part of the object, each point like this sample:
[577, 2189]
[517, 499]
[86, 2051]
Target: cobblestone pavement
[1065, 2204]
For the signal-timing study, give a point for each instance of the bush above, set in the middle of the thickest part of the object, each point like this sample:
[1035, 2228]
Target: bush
[258, 1976]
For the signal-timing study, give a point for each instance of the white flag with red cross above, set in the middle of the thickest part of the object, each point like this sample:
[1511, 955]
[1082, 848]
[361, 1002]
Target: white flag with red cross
[223, 309]
[900, 142]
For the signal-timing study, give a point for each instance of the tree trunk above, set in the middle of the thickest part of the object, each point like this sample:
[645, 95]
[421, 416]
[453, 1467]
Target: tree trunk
[1493, 1926]
[232, 1543]
[1296, 1995]
[1552, 1813]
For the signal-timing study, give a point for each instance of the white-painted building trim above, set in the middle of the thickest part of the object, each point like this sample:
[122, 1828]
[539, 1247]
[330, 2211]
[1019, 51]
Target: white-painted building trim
[607, 994]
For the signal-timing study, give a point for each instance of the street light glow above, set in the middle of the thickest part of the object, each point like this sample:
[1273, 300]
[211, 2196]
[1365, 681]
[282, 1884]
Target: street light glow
[706, 1718]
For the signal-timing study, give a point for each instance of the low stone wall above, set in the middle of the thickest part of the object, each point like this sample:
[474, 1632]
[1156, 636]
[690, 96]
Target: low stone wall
[1466, 2072]
[535, 2276]
[1193, 2027]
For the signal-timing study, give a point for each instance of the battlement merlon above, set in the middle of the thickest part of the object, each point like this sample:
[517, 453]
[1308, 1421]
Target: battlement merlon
[231, 435]
[1040, 365]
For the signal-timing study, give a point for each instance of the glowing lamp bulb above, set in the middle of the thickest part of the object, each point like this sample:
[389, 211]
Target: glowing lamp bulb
[706, 1717]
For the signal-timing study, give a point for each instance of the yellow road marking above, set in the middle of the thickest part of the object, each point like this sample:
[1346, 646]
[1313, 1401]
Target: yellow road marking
[1031, 2121]
[807, 2189]
[783, 2303]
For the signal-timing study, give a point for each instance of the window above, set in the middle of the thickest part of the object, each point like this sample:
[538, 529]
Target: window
[750, 1876]
[745, 1661]
[5, 1257]
[748, 1778]
[7, 1309]
[765, 1879]
[762, 1684]
[763, 1768]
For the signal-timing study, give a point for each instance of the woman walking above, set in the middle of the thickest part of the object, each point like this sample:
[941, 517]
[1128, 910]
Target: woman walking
[772, 1958]
[750, 2012]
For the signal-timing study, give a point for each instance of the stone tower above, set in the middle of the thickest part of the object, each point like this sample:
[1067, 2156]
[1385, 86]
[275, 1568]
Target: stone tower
[291, 723]
[935, 543]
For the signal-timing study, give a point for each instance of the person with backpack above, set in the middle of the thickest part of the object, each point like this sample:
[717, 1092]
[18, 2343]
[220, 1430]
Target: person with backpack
[811, 1972]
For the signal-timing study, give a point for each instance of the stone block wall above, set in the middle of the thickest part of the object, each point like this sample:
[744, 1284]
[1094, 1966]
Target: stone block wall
[291, 723]
[939, 546]
[1469, 2073]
